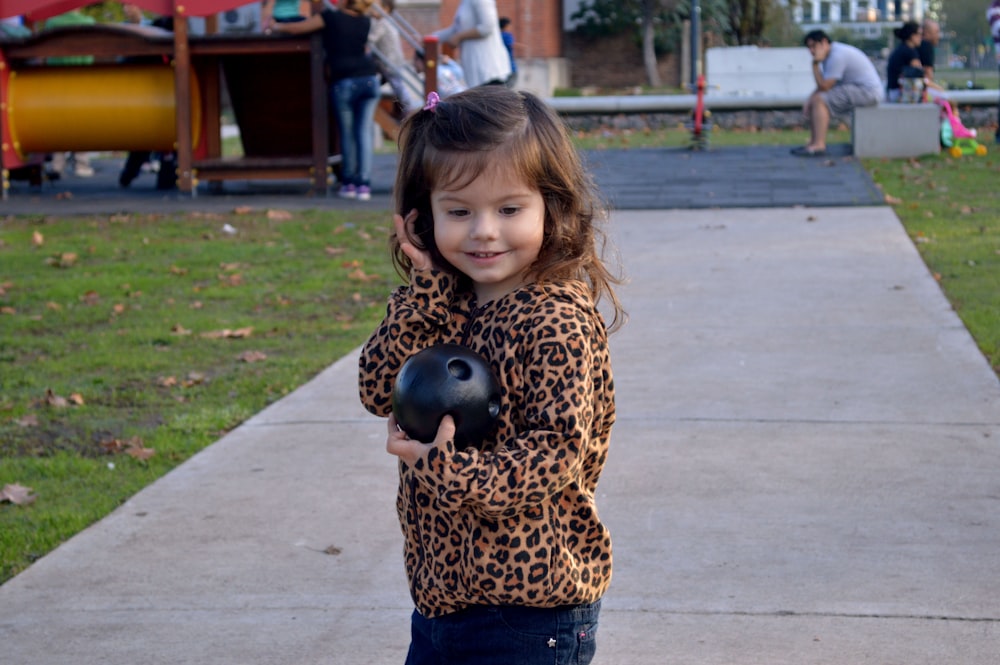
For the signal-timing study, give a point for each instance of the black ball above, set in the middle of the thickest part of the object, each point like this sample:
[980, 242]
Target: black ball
[446, 379]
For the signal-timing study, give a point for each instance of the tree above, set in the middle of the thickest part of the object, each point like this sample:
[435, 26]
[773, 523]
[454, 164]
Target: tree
[657, 24]
[747, 19]
[964, 21]
[781, 28]
[646, 19]
[649, 42]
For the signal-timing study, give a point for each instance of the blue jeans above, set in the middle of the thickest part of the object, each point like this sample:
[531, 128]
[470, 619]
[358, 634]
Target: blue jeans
[355, 100]
[507, 635]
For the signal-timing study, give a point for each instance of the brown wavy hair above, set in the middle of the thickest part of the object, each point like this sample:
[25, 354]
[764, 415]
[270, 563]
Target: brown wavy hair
[451, 144]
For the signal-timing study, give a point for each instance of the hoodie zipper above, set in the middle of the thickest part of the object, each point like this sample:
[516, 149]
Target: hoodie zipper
[467, 329]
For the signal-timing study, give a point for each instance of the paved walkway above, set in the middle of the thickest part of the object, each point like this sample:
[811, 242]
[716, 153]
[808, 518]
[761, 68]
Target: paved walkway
[805, 471]
[638, 179]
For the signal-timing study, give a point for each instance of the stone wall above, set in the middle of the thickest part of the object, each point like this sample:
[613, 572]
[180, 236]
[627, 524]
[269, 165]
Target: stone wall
[983, 118]
[613, 62]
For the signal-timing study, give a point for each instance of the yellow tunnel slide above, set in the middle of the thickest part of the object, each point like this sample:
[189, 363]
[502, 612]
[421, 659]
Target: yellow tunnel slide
[96, 107]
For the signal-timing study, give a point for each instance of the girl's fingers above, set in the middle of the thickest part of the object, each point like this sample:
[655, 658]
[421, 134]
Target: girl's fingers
[420, 258]
[446, 430]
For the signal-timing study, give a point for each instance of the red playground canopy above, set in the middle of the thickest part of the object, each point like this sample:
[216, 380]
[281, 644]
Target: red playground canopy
[37, 10]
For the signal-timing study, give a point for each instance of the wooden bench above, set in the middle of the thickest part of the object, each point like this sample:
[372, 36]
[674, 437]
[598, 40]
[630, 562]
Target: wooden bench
[896, 130]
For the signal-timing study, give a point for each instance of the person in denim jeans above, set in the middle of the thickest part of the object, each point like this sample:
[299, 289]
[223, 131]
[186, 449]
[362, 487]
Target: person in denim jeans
[354, 87]
[355, 100]
[498, 230]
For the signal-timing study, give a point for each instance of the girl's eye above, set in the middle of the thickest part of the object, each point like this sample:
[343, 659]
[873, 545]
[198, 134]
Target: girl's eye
[458, 212]
[507, 211]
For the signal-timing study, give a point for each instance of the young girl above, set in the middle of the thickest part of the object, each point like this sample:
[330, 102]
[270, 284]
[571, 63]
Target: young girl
[497, 231]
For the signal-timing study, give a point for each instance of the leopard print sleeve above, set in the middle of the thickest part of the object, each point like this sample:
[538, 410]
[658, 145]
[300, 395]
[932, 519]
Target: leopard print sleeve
[563, 361]
[416, 316]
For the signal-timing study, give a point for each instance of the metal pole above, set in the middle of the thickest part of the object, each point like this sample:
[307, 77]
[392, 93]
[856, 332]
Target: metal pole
[695, 41]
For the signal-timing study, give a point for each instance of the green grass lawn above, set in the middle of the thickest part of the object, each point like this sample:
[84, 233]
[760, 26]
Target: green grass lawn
[960, 79]
[130, 342]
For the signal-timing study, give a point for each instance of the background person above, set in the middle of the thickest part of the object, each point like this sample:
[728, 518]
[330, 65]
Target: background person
[930, 33]
[508, 43]
[81, 160]
[165, 164]
[993, 16]
[384, 37]
[279, 11]
[930, 38]
[475, 32]
[904, 61]
[354, 87]
[845, 79]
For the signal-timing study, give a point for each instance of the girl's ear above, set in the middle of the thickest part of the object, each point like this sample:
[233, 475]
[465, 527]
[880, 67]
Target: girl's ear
[423, 227]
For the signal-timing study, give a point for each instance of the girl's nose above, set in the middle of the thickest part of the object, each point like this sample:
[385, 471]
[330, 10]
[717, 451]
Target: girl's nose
[485, 227]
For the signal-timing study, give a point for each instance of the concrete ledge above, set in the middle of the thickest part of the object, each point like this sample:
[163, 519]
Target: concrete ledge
[896, 130]
[684, 103]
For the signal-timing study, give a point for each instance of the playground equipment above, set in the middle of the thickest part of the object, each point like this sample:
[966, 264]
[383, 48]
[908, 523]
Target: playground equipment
[700, 123]
[956, 137]
[281, 105]
[276, 85]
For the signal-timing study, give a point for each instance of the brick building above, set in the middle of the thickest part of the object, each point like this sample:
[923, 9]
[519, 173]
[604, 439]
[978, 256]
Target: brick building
[548, 55]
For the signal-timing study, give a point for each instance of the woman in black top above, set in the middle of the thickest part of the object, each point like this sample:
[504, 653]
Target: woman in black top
[906, 54]
[354, 87]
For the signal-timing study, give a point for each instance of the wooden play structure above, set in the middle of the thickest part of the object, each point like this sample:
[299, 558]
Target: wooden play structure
[157, 90]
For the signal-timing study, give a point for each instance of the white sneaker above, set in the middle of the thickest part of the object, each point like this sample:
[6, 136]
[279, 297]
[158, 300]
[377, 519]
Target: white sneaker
[83, 171]
[364, 193]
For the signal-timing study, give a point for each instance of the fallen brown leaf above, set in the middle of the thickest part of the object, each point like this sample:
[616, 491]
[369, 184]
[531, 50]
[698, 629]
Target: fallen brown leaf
[55, 400]
[252, 356]
[28, 420]
[137, 451]
[113, 446]
[198, 214]
[226, 333]
[360, 275]
[16, 494]
[194, 379]
[279, 215]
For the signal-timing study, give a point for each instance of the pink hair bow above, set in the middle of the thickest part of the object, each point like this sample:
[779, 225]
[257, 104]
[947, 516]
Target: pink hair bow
[432, 101]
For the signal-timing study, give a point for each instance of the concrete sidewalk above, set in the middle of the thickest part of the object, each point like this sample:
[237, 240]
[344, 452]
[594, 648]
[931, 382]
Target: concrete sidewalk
[805, 471]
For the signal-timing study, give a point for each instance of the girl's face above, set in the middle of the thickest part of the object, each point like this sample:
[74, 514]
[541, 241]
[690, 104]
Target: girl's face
[491, 230]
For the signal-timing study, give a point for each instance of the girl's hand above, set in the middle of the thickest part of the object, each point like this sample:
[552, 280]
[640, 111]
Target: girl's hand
[411, 451]
[420, 258]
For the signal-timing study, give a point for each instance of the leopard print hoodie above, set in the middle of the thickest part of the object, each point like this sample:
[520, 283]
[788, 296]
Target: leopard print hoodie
[515, 522]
